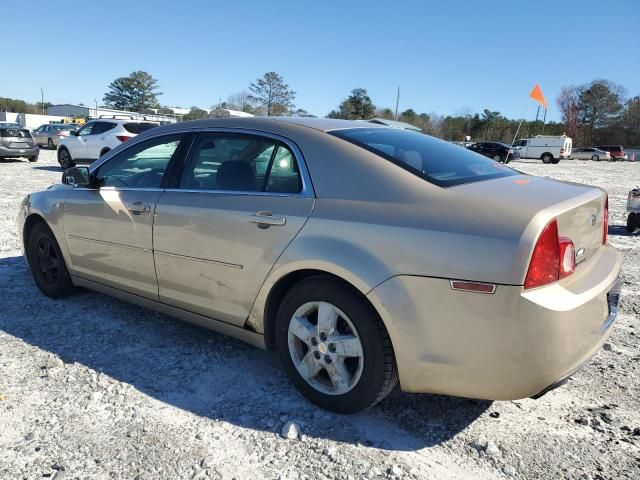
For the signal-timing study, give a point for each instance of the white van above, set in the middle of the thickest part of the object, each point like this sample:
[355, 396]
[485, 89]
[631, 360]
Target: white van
[547, 148]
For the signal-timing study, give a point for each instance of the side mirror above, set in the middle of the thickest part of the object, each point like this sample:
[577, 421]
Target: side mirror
[77, 177]
[74, 133]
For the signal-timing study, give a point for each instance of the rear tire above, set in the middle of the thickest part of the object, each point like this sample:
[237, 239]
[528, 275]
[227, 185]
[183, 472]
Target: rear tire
[633, 222]
[555, 161]
[104, 151]
[546, 158]
[50, 144]
[365, 375]
[47, 263]
[64, 158]
[595, 158]
[33, 159]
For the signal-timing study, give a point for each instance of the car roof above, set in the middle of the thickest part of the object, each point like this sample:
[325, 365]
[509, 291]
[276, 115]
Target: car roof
[320, 124]
[121, 121]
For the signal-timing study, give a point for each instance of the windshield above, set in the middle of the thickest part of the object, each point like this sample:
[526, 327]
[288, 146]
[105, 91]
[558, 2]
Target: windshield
[66, 127]
[436, 161]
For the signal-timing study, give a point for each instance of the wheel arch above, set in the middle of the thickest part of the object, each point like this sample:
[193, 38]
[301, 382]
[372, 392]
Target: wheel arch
[280, 288]
[104, 151]
[31, 221]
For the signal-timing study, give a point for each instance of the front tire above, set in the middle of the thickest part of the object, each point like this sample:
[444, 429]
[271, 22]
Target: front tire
[633, 222]
[334, 346]
[595, 158]
[47, 263]
[64, 158]
[50, 144]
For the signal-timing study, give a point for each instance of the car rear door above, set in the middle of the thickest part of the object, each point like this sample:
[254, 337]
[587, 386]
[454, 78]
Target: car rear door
[109, 228]
[239, 201]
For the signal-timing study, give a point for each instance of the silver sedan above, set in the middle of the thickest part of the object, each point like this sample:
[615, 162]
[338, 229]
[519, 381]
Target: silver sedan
[49, 135]
[365, 255]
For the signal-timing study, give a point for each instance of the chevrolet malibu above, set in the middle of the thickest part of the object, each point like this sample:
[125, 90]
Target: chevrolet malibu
[365, 255]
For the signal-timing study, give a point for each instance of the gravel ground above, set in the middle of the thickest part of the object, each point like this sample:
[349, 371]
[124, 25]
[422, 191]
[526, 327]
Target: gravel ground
[91, 387]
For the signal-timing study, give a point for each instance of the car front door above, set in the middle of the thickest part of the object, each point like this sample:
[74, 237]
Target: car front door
[239, 201]
[96, 141]
[78, 145]
[40, 135]
[108, 228]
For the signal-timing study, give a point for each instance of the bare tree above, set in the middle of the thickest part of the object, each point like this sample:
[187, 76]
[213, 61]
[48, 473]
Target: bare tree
[272, 94]
[569, 103]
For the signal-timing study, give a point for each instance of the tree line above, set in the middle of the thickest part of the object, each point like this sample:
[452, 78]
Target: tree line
[595, 113]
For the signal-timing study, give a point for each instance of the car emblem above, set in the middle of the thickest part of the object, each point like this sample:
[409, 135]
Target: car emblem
[580, 252]
[592, 219]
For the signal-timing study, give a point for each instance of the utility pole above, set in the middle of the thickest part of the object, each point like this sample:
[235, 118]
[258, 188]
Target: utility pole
[397, 102]
[96, 102]
[42, 100]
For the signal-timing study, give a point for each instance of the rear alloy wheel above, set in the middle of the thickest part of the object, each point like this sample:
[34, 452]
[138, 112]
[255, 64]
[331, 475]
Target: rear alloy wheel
[334, 346]
[64, 158]
[595, 158]
[497, 158]
[50, 144]
[547, 158]
[47, 263]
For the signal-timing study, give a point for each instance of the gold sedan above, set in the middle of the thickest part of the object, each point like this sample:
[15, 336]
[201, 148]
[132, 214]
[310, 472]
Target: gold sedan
[365, 255]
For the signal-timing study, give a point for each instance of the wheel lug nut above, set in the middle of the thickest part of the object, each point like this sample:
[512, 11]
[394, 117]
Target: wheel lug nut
[323, 336]
[316, 355]
[327, 359]
[332, 348]
[314, 342]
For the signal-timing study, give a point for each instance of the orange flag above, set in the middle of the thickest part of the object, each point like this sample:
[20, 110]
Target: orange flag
[536, 94]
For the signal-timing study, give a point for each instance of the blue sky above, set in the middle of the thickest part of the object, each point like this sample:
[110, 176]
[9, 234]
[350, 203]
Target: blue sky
[446, 56]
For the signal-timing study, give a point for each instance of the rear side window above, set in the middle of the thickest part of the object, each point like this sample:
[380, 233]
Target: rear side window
[101, 127]
[137, 127]
[235, 162]
[433, 160]
[14, 133]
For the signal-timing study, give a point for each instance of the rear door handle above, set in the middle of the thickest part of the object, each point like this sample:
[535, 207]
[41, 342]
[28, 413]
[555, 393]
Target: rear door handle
[138, 207]
[266, 219]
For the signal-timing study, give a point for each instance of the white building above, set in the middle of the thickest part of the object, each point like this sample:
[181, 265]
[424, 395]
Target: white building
[69, 110]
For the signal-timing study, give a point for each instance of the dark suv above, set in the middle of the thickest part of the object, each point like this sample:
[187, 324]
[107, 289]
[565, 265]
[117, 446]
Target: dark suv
[616, 151]
[500, 152]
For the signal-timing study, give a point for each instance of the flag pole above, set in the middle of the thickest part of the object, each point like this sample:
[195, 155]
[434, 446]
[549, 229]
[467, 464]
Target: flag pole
[524, 115]
[544, 120]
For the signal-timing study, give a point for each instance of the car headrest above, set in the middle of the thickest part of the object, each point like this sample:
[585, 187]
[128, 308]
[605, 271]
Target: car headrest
[411, 158]
[236, 175]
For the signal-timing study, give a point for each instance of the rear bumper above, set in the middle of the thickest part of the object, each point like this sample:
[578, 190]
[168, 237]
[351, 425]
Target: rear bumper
[502, 346]
[19, 152]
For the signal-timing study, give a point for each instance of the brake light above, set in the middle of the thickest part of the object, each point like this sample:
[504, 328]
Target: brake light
[123, 138]
[553, 258]
[543, 268]
[605, 220]
[561, 151]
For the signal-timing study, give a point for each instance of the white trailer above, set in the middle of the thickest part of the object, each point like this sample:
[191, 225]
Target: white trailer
[549, 149]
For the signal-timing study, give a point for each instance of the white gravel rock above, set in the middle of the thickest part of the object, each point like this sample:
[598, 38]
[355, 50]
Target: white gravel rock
[290, 430]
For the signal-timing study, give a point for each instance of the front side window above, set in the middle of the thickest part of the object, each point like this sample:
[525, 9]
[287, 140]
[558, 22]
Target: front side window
[86, 130]
[434, 160]
[238, 162]
[140, 166]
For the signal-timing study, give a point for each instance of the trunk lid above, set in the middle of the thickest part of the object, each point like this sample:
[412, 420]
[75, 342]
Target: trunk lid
[529, 203]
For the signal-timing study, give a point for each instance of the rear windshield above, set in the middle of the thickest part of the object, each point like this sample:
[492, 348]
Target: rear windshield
[14, 133]
[135, 127]
[436, 161]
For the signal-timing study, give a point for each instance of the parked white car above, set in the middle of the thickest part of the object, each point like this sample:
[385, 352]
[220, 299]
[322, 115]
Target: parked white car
[590, 154]
[96, 138]
[549, 149]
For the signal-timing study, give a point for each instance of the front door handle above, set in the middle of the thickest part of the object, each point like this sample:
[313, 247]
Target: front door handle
[138, 207]
[266, 219]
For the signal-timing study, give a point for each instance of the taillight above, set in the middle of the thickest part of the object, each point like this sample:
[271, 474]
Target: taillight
[605, 220]
[567, 257]
[123, 138]
[561, 151]
[553, 258]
